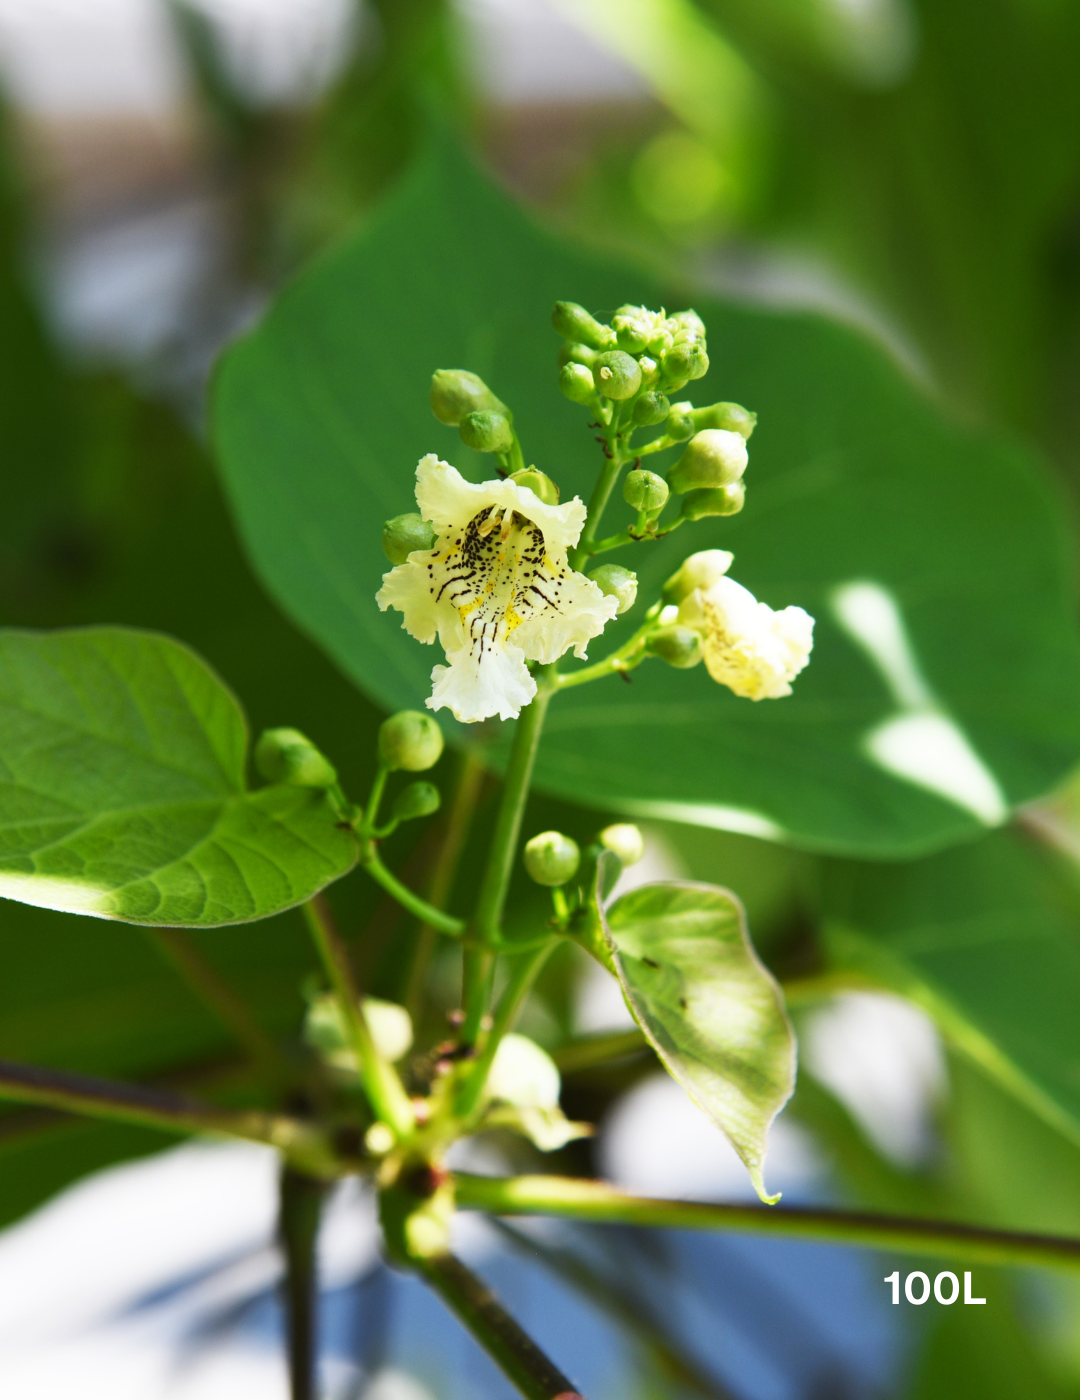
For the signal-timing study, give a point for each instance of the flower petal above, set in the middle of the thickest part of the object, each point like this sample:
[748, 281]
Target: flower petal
[748, 647]
[407, 588]
[449, 502]
[580, 613]
[498, 683]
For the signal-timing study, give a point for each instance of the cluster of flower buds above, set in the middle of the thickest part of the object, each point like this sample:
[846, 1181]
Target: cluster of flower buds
[553, 859]
[411, 741]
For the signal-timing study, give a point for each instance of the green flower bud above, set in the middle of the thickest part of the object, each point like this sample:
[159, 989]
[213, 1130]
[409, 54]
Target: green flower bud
[539, 484]
[678, 646]
[651, 408]
[730, 416]
[287, 756]
[575, 323]
[684, 361]
[574, 353]
[633, 326]
[625, 840]
[680, 422]
[714, 457]
[660, 341]
[700, 570]
[576, 382]
[405, 533]
[616, 582]
[552, 858]
[457, 392]
[718, 500]
[650, 370]
[617, 375]
[410, 740]
[417, 800]
[487, 430]
[691, 324]
[643, 490]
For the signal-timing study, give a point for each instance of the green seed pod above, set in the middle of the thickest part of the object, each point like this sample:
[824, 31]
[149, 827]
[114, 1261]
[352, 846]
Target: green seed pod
[616, 582]
[730, 416]
[552, 858]
[576, 382]
[643, 490]
[405, 533]
[539, 483]
[679, 426]
[717, 500]
[700, 570]
[487, 430]
[617, 375]
[678, 646]
[574, 353]
[287, 756]
[457, 392]
[650, 409]
[625, 840]
[714, 457]
[410, 740]
[417, 800]
[575, 323]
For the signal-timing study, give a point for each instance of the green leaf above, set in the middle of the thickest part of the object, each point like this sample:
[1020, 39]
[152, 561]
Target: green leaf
[122, 790]
[320, 417]
[984, 937]
[709, 1008]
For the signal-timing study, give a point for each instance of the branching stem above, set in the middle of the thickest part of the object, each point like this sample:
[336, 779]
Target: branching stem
[526, 968]
[445, 923]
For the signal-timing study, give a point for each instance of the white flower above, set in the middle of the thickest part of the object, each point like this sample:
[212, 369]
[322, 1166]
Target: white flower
[748, 647]
[496, 590]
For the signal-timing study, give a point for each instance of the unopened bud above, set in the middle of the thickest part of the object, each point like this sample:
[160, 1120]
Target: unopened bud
[616, 582]
[644, 490]
[457, 392]
[714, 457]
[575, 323]
[633, 326]
[576, 382]
[700, 570]
[716, 500]
[651, 408]
[625, 840]
[487, 430]
[573, 352]
[552, 858]
[287, 756]
[691, 324]
[680, 422]
[731, 416]
[683, 362]
[417, 800]
[617, 375]
[410, 740]
[390, 1026]
[678, 646]
[539, 483]
[404, 534]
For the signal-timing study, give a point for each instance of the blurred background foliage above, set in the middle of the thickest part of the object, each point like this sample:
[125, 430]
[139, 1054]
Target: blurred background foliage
[910, 167]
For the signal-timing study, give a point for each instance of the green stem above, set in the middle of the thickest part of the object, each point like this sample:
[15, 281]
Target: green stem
[231, 1010]
[510, 1004]
[300, 1206]
[478, 961]
[613, 465]
[384, 1089]
[630, 655]
[378, 787]
[481, 1313]
[581, 1199]
[445, 923]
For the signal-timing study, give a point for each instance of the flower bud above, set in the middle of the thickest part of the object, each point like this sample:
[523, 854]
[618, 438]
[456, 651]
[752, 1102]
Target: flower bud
[487, 430]
[287, 756]
[539, 483]
[691, 325]
[650, 370]
[700, 570]
[575, 323]
[616, 582]
[649, 409]
[644, 490]
[410, 740]
[680, 422]
[684, 361]
[625, 840]
[552, 858]
[576, 382]
[632, 326]
[404, 534]
[573, 352]
[678, 646]
[390, 1026]
[456, 392]
[714, 457]
[730, 416]
[717, 500]
[617, 375]
[417, 800]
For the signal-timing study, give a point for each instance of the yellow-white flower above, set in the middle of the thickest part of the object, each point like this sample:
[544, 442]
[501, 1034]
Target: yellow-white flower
[496, 590]
[748, 647]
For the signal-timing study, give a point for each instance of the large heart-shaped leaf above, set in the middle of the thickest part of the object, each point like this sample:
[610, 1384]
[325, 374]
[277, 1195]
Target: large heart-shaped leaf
[933, 701]
[122, 789]
[708, 1006]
